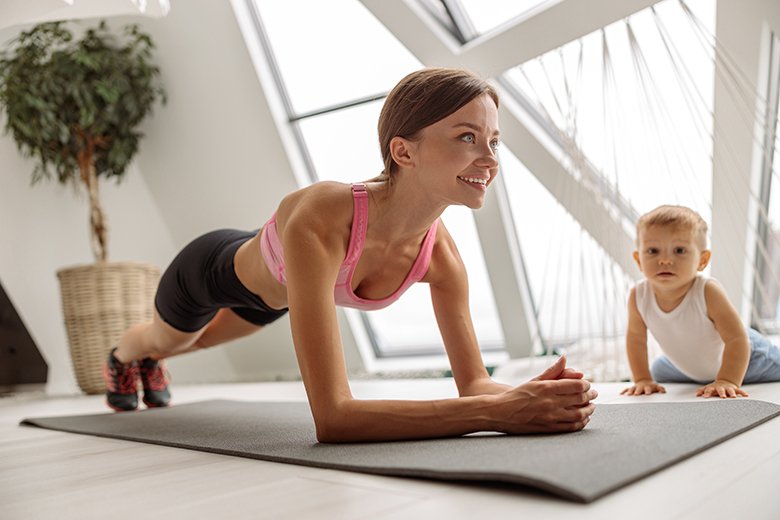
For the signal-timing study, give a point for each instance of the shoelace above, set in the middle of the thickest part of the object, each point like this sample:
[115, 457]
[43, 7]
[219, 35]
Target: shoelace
[154, 378]
[126, 378]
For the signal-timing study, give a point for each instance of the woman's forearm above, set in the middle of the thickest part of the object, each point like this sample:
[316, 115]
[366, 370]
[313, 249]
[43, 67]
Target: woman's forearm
[537, 406]
[356, 420]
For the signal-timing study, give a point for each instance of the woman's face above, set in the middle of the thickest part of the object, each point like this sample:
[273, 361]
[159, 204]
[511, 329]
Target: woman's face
[456, 156]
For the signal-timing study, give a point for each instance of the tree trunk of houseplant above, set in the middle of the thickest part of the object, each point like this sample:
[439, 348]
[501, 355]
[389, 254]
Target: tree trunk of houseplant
[97, 220]
[101, 300]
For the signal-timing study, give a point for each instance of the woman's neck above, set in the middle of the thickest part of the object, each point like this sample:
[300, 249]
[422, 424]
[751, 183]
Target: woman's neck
[399, 211]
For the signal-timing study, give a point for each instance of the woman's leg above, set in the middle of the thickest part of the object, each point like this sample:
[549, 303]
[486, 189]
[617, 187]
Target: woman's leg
[155, 339]
[158, 340]
[142, 348]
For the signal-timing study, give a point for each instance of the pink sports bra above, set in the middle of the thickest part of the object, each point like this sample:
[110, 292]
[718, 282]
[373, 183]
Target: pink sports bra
[271, 249]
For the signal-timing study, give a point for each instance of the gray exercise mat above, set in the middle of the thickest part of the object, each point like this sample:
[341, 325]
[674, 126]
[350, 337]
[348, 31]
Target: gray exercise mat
[621, 444]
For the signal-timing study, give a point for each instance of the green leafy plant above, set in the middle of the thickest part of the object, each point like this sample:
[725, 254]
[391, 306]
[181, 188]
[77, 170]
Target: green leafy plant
[75, 105]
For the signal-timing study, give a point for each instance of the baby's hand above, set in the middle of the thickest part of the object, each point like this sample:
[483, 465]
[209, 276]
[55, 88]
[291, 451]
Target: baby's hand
[721, 388]
[644, 387]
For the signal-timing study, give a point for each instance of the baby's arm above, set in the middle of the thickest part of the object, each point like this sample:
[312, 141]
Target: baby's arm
[736, 350]
[636, 348]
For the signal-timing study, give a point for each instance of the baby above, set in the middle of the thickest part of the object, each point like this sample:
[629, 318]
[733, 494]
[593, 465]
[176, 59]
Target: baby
[696, 326]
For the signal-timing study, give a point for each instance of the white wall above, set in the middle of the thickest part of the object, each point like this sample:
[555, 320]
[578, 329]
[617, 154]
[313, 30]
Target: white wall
[211, 158]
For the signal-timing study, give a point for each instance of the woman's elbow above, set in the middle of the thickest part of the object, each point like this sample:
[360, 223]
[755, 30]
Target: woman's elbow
[329, 432]
[332, 425]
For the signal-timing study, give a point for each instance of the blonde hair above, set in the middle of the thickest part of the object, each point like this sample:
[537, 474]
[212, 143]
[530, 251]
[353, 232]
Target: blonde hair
[677, 217]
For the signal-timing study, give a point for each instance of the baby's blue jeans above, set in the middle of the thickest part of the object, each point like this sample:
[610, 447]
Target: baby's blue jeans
[764, 364]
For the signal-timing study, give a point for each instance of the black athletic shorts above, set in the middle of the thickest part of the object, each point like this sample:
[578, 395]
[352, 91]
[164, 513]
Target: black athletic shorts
[201, 280]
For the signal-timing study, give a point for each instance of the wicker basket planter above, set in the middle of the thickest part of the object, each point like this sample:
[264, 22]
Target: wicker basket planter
[99, 302]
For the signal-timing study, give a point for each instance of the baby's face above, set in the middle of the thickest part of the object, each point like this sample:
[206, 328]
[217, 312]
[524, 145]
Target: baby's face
[669, 257]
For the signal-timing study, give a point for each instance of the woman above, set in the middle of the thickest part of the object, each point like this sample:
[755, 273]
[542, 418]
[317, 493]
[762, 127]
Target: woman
[361, 246]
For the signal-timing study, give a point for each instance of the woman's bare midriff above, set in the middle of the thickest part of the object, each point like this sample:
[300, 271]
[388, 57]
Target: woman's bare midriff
[252, 271]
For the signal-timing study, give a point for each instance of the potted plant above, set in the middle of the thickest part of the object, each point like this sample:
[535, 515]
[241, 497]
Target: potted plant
[74, 106]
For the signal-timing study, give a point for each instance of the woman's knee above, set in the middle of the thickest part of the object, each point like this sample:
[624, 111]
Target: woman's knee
[203, 342]
[162, 340]
[225, 326]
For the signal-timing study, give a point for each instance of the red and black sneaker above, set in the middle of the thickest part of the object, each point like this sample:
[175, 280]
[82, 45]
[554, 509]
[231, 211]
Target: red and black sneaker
[121, 384]
[155, 379]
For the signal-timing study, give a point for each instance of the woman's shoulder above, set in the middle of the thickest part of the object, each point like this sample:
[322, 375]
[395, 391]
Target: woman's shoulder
[319, 199]
[324, 207]
[445, 257]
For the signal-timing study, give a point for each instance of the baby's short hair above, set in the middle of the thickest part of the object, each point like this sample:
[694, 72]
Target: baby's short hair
[677, 217]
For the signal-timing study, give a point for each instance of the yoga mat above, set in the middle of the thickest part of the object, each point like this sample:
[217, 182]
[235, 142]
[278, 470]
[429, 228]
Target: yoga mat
[621, 444]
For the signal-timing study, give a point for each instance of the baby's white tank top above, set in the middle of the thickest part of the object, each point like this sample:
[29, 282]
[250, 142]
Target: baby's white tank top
[686, 335]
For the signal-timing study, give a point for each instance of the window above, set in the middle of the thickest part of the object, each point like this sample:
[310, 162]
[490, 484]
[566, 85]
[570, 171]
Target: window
[624, 100]
[630, 108]
[332, 52]
[489, 14]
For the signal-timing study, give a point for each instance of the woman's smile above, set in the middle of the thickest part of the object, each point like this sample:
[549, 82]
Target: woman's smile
[478, 183]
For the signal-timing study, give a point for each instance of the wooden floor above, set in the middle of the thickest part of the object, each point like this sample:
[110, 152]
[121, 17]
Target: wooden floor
[46, 474]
